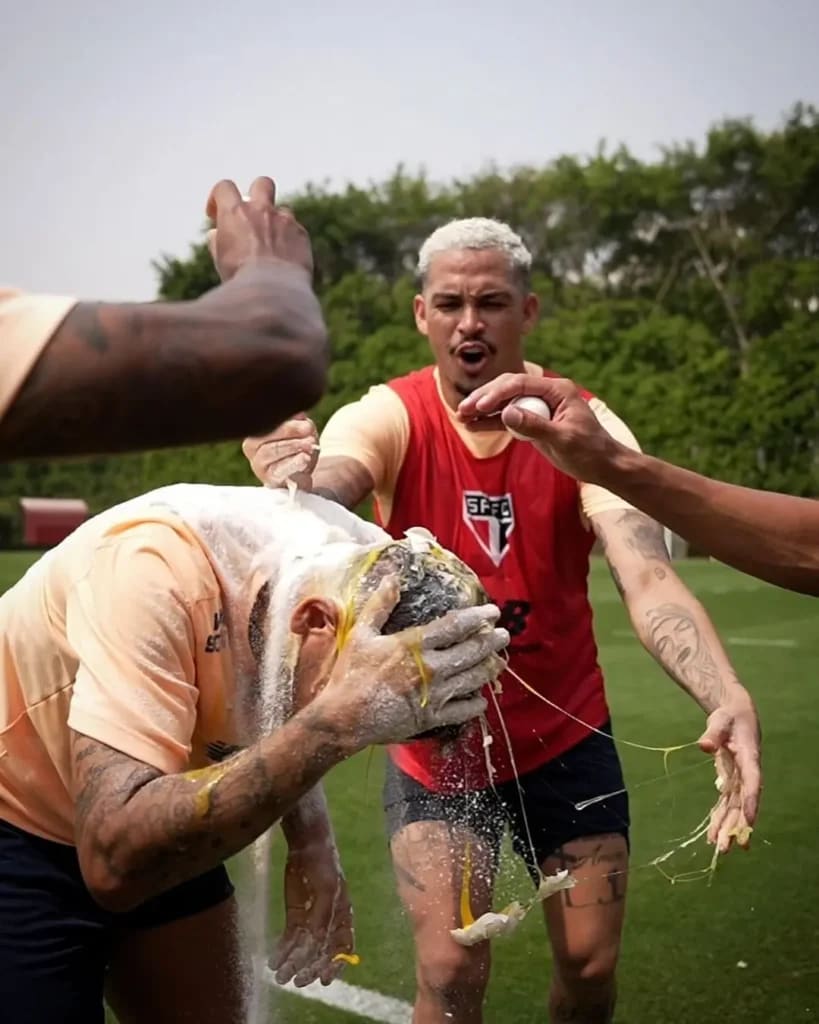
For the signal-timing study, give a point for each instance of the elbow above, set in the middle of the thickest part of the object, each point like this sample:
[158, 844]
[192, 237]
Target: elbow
[111, 895]
[108, 875]
[109, 889]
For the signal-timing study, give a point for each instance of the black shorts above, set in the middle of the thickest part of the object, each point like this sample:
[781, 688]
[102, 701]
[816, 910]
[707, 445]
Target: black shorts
[55, 941]
[549, 795]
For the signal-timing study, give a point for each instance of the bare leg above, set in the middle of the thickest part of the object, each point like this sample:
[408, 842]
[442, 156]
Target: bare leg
[585, 925]
[189, 971]
[428, 857]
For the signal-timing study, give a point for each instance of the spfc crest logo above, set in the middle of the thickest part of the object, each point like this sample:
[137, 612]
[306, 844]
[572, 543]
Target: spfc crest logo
[492, 520]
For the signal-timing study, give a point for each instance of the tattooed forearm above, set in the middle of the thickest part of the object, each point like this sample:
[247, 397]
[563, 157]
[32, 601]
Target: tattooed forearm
[632, 542]
[643, 536]
[118, 377]
[615, 575]
[671, 623]
[676, 640]
[139, 832]
[342, 480]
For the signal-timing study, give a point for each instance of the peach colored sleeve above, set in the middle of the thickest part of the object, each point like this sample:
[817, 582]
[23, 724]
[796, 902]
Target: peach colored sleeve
[131, 626]
[374, 431]
[27, 323]
[595, 499]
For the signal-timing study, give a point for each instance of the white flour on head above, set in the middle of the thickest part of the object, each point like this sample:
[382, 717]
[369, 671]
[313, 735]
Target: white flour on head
[250, 536]
[253, 536]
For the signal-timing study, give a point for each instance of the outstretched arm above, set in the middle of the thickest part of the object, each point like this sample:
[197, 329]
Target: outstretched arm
[774, 537]
[120, 377]
[675, 629]
[291, 453]
[239, 360]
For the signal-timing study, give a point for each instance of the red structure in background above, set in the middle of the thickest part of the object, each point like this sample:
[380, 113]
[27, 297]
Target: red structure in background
[47, 521]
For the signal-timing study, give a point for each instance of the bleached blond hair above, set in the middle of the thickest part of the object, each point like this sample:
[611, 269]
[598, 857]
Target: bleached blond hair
[477, 233]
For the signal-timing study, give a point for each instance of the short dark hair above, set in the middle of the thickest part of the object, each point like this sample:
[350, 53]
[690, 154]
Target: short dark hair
[433, 582]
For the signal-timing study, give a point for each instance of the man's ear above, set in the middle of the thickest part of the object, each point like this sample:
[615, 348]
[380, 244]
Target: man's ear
[315, 615]
[419, 309]
[531, 312]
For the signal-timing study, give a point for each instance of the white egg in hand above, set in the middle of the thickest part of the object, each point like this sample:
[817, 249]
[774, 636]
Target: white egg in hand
[531, 403]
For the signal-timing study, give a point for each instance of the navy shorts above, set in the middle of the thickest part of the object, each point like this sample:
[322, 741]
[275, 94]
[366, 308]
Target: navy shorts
[549, 795]
[55, 941]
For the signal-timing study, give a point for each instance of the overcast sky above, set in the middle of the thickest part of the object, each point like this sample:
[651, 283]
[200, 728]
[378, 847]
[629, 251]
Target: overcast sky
[118, 116]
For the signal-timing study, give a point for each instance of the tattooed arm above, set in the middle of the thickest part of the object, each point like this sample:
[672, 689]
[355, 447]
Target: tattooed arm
[672, 625]
[117, 377]
[774, 537]
[290, 453]
[139, 832]
[675, 629]
[361, 450]
[343, 480]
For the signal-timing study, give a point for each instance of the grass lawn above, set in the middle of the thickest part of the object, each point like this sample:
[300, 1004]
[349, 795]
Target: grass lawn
[683, 943]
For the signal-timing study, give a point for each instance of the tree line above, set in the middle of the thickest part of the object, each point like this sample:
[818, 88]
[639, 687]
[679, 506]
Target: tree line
[683, 290]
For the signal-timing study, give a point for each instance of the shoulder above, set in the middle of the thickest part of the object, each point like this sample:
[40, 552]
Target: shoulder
[378, 413]
[27, 324]
[154, 560]
[614, 424]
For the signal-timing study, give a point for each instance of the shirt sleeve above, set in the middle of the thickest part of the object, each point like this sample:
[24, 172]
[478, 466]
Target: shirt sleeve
[595, 499]
[27, 323]
[130, 624]
[374, 431]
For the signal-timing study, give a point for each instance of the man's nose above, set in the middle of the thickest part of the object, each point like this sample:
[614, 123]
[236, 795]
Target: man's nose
[471, 323]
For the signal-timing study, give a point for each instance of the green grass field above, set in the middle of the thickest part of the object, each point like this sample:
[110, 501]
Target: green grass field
[683, 942]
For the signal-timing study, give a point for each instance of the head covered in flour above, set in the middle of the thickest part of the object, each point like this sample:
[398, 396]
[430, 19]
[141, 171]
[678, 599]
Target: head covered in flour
[294, 571]
[309, 595]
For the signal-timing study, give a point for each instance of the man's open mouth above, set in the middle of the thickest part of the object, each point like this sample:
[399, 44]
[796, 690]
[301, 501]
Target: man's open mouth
[472, 356]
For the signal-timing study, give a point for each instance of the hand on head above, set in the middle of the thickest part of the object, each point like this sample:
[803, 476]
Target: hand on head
[253, 230]
[386, 689]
